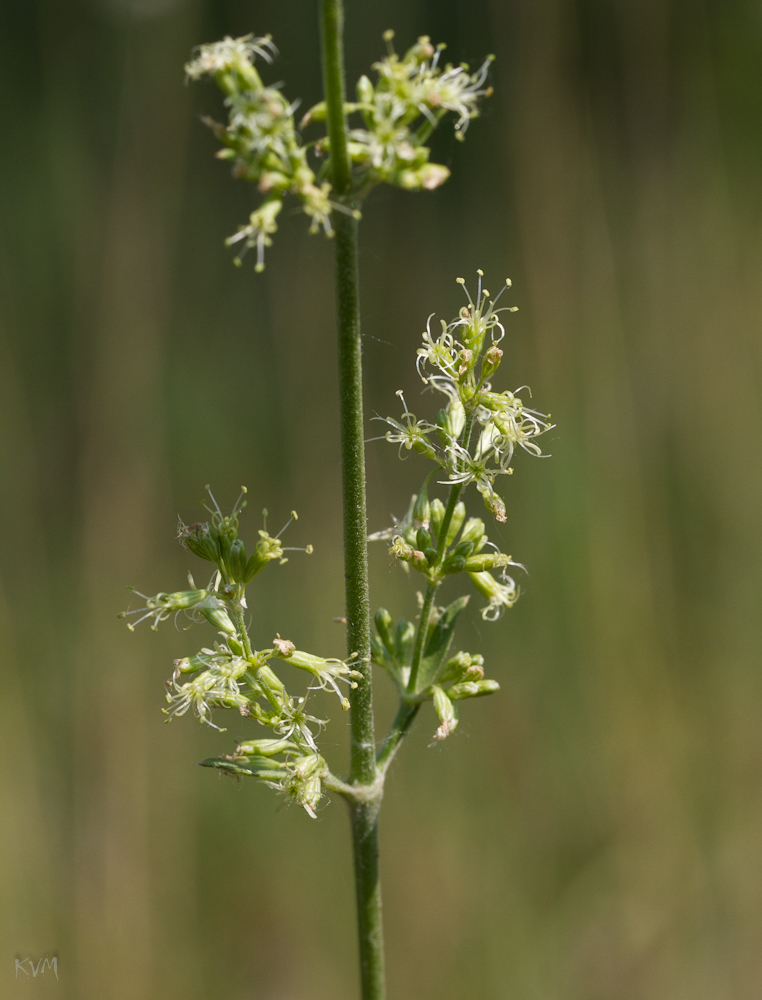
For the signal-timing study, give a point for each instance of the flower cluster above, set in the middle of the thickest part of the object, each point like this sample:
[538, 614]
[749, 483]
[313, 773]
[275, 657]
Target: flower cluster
[443, 679]
[477, 431]
[411, 96]
[473, 440]
[231, 674]
[418, 541]
[260, 139]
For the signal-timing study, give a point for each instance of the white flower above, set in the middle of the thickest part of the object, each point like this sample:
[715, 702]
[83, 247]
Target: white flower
[500, 595]
[230, 53]
[411, 433]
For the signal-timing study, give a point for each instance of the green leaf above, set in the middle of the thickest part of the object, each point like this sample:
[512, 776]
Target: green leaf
[257, 767]
[438, 644]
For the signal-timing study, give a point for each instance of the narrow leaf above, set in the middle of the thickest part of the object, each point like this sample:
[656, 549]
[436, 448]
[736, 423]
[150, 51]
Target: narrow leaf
[439, 644]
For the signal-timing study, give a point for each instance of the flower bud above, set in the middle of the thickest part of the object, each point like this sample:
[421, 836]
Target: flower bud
[491, 361]
[365, 91]
[219, 617]
[404, 641]
[422, 510]
[189, 665]
[447, 713]
[456, 560]
[431, 175]
[379, 653]
[236, 560]
[235, 646]
[461, 667]
[316, 113]
[472, 689]
[423, 540]
[263, 748]
[486, 560]
[271, 685]
[473, 531]
[458, 517]
[437, 515]
[385, 629]
[199, 539]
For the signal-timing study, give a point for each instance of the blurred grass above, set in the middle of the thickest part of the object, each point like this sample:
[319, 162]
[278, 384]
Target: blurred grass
[592, 833]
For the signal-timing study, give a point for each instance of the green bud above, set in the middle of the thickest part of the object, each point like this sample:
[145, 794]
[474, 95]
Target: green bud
[405, 640]
[271, 685]
[473, 530]
[365, 91]
[447, 713]
[264, 748]
[425, 178]
[385, 629]
[464, 548]
[454, 564]
[190, 664]
[458, 517]
[437, 515]
[423, 540]
[462, 666]
[379, 652]
[219, 617]
[199, 539]
[179, 601]
[486, 560]
[472, 689]
[491, 361]
[316, 113]
[236, 560]
[235, 646]
[456, 560]
[431, 555]
[422, 510]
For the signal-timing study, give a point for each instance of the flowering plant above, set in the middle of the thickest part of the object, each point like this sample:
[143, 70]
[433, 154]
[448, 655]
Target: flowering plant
[381, 138]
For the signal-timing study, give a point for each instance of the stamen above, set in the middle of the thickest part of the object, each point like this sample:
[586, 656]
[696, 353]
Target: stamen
[216, 505]
[294, 517]
[240, 503]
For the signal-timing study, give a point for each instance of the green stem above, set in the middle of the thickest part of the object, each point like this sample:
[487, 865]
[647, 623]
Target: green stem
[399, 729]
[236, 616]
[363, 772]
[431, 589]
[420, 638]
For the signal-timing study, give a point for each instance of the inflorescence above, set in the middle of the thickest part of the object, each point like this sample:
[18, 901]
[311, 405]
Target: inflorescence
[410, 97]
[473, 440]
[231, 674]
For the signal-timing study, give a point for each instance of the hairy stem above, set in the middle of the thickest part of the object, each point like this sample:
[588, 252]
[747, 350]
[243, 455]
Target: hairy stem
[236, 616]
[363, 772]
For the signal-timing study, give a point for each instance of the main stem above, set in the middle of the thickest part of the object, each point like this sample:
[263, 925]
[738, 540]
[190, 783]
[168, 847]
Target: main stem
[364, 814]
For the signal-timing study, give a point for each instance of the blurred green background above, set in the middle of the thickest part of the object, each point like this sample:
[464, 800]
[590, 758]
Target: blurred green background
[593, 832]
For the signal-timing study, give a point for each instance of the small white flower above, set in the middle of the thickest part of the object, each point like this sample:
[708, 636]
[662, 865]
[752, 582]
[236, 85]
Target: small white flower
[500, 595]
[230, 53]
